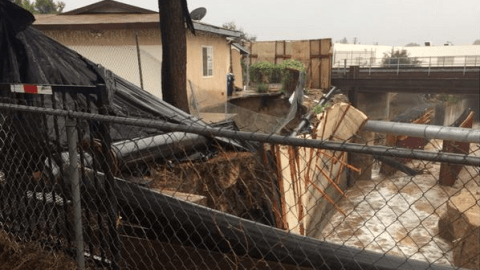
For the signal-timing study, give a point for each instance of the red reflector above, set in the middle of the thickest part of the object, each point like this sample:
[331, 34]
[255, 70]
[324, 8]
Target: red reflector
[32, 89]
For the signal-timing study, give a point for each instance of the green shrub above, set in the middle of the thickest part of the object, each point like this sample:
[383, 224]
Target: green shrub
[319, 109]
[262, 88]
[265, 72]
[290, 63]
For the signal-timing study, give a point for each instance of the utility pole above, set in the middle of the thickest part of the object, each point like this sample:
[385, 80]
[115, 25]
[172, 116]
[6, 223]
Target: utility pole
[173, 15]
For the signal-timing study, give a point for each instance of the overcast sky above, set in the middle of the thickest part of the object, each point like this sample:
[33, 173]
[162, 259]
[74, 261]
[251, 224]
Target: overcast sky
[386, 22]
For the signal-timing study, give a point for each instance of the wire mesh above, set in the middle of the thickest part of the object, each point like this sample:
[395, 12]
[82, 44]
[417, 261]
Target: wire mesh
[199, 197]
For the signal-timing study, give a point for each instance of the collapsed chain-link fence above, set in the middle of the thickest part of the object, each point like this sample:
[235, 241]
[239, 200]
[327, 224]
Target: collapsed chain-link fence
[156, 192]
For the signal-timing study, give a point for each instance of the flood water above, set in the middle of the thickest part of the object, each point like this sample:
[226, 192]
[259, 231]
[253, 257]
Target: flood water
[399, 214]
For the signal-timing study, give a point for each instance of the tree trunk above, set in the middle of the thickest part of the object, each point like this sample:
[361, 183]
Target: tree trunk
[174, 58]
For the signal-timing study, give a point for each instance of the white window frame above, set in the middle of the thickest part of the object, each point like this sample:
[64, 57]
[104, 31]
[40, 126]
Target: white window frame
[209, 71]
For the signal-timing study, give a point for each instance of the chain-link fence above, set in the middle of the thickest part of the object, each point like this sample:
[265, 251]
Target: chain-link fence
[151, 192]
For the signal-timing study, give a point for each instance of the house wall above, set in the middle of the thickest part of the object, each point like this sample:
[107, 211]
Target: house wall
[110, 37]
[116, 50]
[211, 90]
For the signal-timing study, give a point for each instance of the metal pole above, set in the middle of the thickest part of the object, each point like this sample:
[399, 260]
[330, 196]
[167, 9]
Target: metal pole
[260, 137]
[139, 62]
[398, 65]
[248, 72]
[429, 64]
[425, 131]
[370, 67]
[72, 138]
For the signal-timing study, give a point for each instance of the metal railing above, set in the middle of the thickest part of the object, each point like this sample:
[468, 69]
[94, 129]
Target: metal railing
[404, 62]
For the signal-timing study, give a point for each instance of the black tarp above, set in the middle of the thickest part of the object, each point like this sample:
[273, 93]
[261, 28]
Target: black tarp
[27, 56]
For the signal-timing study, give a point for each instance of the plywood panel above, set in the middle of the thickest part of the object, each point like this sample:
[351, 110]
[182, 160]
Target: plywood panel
[315, 47]
[237, 68]
[315, 74]
[314, 179]
[280, 50]
[326, 65]
[325, 73]
[326, 46]
[288, 48]
[314, 54]
[301, 50]
[290, 193]
[265, 51]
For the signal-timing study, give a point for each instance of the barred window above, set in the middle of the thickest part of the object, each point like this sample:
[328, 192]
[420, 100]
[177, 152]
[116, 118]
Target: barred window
[207, 54]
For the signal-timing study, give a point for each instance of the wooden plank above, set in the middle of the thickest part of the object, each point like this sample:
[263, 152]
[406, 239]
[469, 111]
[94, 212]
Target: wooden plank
[315, 48]
[315, 179]
[316, 73]
[326, 63]
[448, 172]
[339, 122]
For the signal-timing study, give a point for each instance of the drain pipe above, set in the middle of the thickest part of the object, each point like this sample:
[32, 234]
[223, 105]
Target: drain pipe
[425, 131]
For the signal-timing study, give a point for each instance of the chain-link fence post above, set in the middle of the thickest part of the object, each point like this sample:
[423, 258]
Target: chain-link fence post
[107, 165]
[77, 208]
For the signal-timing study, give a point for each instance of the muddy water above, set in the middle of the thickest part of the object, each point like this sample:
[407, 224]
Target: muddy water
[399, 215]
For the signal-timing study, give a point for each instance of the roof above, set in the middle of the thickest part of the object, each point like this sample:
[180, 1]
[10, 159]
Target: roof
[242, 49]
[114, 21]
[110, 14]
[108, 6]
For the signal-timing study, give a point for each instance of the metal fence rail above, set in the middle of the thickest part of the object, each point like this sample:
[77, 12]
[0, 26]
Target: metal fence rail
[193, 196]
[367, 61]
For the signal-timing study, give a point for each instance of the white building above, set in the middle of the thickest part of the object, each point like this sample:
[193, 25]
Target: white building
[372, 55]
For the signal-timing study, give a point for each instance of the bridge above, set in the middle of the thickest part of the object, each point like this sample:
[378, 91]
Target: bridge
[428, 80]
[368, 86]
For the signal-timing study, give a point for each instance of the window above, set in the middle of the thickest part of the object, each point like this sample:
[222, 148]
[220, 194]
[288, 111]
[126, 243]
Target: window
[207, 54]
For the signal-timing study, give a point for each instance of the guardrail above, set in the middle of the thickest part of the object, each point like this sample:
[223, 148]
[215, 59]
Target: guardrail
[402, 62]
[429, 64]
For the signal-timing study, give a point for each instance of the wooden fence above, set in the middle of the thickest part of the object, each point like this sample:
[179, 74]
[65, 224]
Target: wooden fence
[316, 55]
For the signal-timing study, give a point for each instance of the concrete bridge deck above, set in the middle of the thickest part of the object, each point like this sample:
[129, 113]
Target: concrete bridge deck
[448, 80]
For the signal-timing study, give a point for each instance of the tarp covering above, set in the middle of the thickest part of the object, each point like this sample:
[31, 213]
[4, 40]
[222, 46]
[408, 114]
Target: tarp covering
[27, 56]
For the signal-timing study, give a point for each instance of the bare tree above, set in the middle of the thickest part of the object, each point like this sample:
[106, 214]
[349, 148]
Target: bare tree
[244, 35]
[399, 58]
[476, 42]
[412, 44]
